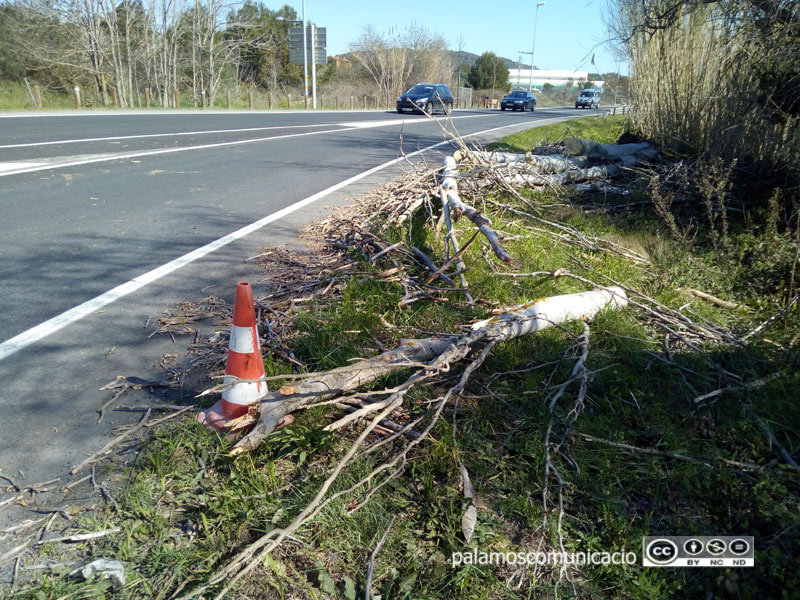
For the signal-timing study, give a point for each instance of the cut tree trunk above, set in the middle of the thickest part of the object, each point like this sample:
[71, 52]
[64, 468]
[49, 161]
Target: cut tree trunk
[629, 154]
[430, 354]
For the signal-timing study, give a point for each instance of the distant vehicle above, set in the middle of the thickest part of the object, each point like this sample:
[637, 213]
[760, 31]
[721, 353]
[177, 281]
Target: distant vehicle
[519, 100]
[426, 97]
[588, 99]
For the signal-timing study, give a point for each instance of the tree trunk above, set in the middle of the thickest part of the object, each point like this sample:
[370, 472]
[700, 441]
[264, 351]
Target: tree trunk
[426, 353]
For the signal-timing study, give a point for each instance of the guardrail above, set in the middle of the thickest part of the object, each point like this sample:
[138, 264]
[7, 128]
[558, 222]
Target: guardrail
[617, 110]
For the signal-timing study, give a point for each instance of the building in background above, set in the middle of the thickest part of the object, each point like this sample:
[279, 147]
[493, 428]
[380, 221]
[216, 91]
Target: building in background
[522, 78]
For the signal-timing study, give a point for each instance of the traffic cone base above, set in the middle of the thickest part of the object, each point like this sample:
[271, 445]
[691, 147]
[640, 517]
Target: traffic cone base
[213, 418]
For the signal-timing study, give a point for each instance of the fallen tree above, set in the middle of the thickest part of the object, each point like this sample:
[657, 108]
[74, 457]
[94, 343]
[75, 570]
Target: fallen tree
[582, 160]
[428, 357]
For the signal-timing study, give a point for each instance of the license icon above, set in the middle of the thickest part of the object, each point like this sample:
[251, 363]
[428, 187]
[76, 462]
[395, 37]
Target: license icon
[739, 547]
[716, 546]
[693, 547]
[662, 551]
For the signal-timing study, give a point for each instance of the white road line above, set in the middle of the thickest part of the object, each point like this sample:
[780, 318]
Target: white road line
[13, 166]
[41, 331]
[155, 135]
[351, 125]
[129, 155]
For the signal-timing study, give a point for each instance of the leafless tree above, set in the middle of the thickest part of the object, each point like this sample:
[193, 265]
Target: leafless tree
[399, 59]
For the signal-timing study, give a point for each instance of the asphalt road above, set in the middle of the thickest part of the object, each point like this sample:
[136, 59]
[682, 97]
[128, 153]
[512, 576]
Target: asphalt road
[107, 219]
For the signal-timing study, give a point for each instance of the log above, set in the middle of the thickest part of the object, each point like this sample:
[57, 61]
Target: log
[546, 312]
[565, 178]
[550, 163]
[496, 158]
[558, 163]
[429, 354]
[629, 154]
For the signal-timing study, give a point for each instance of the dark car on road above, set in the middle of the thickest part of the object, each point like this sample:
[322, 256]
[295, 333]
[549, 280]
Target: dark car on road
[426, 97]
[519, 100]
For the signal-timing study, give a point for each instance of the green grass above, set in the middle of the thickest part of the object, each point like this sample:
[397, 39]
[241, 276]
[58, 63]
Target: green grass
[14, 95]
[606, 130]
[184, 481]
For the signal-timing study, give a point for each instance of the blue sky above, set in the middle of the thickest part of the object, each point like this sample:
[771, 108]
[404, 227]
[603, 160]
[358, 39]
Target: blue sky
[568, 32]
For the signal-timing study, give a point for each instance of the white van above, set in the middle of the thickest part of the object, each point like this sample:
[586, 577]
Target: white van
[588, 99]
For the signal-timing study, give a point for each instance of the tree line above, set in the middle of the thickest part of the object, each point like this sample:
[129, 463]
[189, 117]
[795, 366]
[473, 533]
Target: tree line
[126, 48]
[160, 45]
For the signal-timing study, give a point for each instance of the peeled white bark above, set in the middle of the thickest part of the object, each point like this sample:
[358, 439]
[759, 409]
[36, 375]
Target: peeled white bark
[557, 163]
[550, 163]
[546, 312]
[566, 177]
[492, 158]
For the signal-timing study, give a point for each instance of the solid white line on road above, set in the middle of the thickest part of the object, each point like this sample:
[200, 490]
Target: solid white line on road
[41, 331]
[351, 125]
[13, 166]
[155, 135]
[142, 153]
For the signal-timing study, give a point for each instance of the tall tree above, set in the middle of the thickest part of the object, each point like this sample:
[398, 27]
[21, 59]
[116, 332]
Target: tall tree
[488, 72]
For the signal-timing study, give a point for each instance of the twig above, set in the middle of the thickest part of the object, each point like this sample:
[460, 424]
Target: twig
[170, 416]
[48, 524]
[373, 556]
[97, 455]
[14, 575]
[357, 414]
[711, 299]
[375, 257]
[14, 551]
[745, 387]
[82, 537]
[456, 257]
[390, 426]
[667, 454]
[114, 399]
[69, 486]
[768, 323]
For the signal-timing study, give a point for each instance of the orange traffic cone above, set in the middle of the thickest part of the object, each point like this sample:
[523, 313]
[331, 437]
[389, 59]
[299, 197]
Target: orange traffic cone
[244, 362]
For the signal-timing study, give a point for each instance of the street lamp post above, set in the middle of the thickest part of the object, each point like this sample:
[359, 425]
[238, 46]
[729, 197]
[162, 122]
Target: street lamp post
[305, 51]
[533, 49]
[313, 66]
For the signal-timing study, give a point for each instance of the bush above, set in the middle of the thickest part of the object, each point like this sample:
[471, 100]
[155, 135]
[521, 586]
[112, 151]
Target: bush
[719, 79]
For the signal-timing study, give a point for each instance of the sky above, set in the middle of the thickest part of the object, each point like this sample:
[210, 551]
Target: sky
[568, 32]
